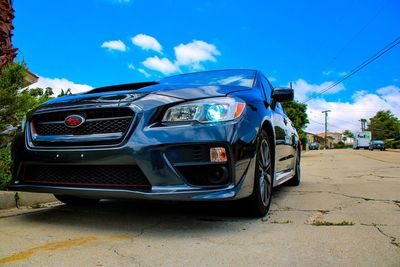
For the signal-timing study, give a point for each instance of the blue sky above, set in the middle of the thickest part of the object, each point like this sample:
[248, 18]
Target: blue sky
[94, 43]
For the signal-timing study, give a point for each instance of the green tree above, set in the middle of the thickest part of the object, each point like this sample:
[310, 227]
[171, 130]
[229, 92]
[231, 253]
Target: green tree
[297, 113]
[348, 133]
[64, 93]
[11, 80]
[384, 125]
[15, 102]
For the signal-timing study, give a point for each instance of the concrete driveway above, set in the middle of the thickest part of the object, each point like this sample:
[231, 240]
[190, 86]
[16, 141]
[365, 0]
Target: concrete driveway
[346, 212]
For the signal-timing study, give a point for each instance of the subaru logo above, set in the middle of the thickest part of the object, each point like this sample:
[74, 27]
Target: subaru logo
[74, 121]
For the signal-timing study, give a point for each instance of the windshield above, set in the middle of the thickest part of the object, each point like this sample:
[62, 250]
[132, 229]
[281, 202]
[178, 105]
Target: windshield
[377, 142]
[223, 77]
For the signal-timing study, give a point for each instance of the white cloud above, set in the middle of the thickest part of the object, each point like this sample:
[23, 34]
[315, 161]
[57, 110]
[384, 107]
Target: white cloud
[192, 54]
[327, 72]
[60, 83]
[346, 115]
[147, 42]
[303, 89]
[114, 45]
[163, 65]
[391, 94]
[272, 79]
[131, 66]
[145, 73]
[332, 72]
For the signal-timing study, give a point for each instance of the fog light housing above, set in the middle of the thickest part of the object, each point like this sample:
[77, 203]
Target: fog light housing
[218, 154]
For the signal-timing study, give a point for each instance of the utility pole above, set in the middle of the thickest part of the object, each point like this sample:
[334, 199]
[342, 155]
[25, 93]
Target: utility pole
[363, 123]
[326, 125]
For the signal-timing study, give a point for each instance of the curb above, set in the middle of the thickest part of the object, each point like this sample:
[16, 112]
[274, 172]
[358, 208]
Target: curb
[12, 199]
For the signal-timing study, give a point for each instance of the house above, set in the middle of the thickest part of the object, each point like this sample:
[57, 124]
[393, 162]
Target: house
[337, 137]
[316, 138]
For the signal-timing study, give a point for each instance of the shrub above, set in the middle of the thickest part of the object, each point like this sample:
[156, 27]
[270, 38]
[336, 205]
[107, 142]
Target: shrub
[5, 166]
[393, 144]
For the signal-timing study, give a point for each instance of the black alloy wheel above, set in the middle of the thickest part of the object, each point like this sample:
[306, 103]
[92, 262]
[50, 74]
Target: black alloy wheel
[295, 180]
[260, 200]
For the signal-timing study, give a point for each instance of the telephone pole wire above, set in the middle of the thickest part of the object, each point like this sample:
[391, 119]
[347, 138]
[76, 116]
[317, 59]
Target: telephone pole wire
[326, 126]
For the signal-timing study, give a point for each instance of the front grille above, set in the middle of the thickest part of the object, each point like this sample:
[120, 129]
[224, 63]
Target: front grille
[86, 175]
[119, 125]
[98, 121]
[102, 126]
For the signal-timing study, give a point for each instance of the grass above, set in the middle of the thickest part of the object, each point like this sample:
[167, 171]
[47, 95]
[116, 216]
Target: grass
[326, 223]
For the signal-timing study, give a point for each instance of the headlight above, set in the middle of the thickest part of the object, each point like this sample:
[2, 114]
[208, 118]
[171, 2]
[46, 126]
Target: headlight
[206, 110]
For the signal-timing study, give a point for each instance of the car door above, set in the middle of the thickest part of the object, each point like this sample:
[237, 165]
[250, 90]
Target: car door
[293, 143]
[280, 127]
[283, 138]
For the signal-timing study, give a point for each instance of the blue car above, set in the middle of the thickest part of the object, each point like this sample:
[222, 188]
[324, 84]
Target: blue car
[205, 136]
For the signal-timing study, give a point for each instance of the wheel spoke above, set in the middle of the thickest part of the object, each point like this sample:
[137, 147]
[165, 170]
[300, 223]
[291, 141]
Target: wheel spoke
[264, 168]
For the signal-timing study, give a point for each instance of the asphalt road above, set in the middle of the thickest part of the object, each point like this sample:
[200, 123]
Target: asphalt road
[346, 212]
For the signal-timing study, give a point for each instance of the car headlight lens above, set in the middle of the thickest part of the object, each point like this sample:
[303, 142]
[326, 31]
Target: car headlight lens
[206, 110]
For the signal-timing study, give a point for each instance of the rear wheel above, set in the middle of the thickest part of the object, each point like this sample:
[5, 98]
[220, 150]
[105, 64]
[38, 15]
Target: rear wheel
[260, 200]
[295, 181]
[75, 201]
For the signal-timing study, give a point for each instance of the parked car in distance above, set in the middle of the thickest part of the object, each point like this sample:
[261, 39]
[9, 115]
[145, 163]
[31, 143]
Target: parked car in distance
[205, 136]
[313, 146]
[377, 144]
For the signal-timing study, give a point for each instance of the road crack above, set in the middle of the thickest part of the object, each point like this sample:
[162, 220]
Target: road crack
[345, 195]
[119, 254]
[393, 240]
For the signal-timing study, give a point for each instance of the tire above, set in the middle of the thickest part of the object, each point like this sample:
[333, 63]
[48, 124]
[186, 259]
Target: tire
[260, 200]
[76, 201]
[295, 181]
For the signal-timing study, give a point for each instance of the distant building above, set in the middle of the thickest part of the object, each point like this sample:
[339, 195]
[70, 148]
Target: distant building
[337, 137]
[316, 138]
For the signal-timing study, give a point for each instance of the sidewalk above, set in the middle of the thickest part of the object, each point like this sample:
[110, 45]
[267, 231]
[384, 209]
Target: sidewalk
[9, 200]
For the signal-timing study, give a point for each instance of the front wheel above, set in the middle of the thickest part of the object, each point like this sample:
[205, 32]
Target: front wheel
[260, 200]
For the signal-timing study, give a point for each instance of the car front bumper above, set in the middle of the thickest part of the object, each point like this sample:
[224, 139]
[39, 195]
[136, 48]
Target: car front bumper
[161, 154]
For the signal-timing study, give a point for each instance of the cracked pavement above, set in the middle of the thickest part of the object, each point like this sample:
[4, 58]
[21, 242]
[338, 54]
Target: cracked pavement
[357, 187]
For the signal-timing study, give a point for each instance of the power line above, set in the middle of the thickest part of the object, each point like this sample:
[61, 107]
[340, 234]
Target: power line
[371, 59]
[357, 34]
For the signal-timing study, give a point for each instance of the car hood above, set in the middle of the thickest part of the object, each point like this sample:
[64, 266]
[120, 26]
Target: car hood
[188, 92]
[178, 92]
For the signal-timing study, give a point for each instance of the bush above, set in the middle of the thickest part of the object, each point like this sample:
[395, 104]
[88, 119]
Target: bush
[341, 145]
[393, 144]
[5, 166]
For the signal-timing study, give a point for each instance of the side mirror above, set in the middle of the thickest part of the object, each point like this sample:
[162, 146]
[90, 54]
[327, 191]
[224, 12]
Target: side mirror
[283, 94]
